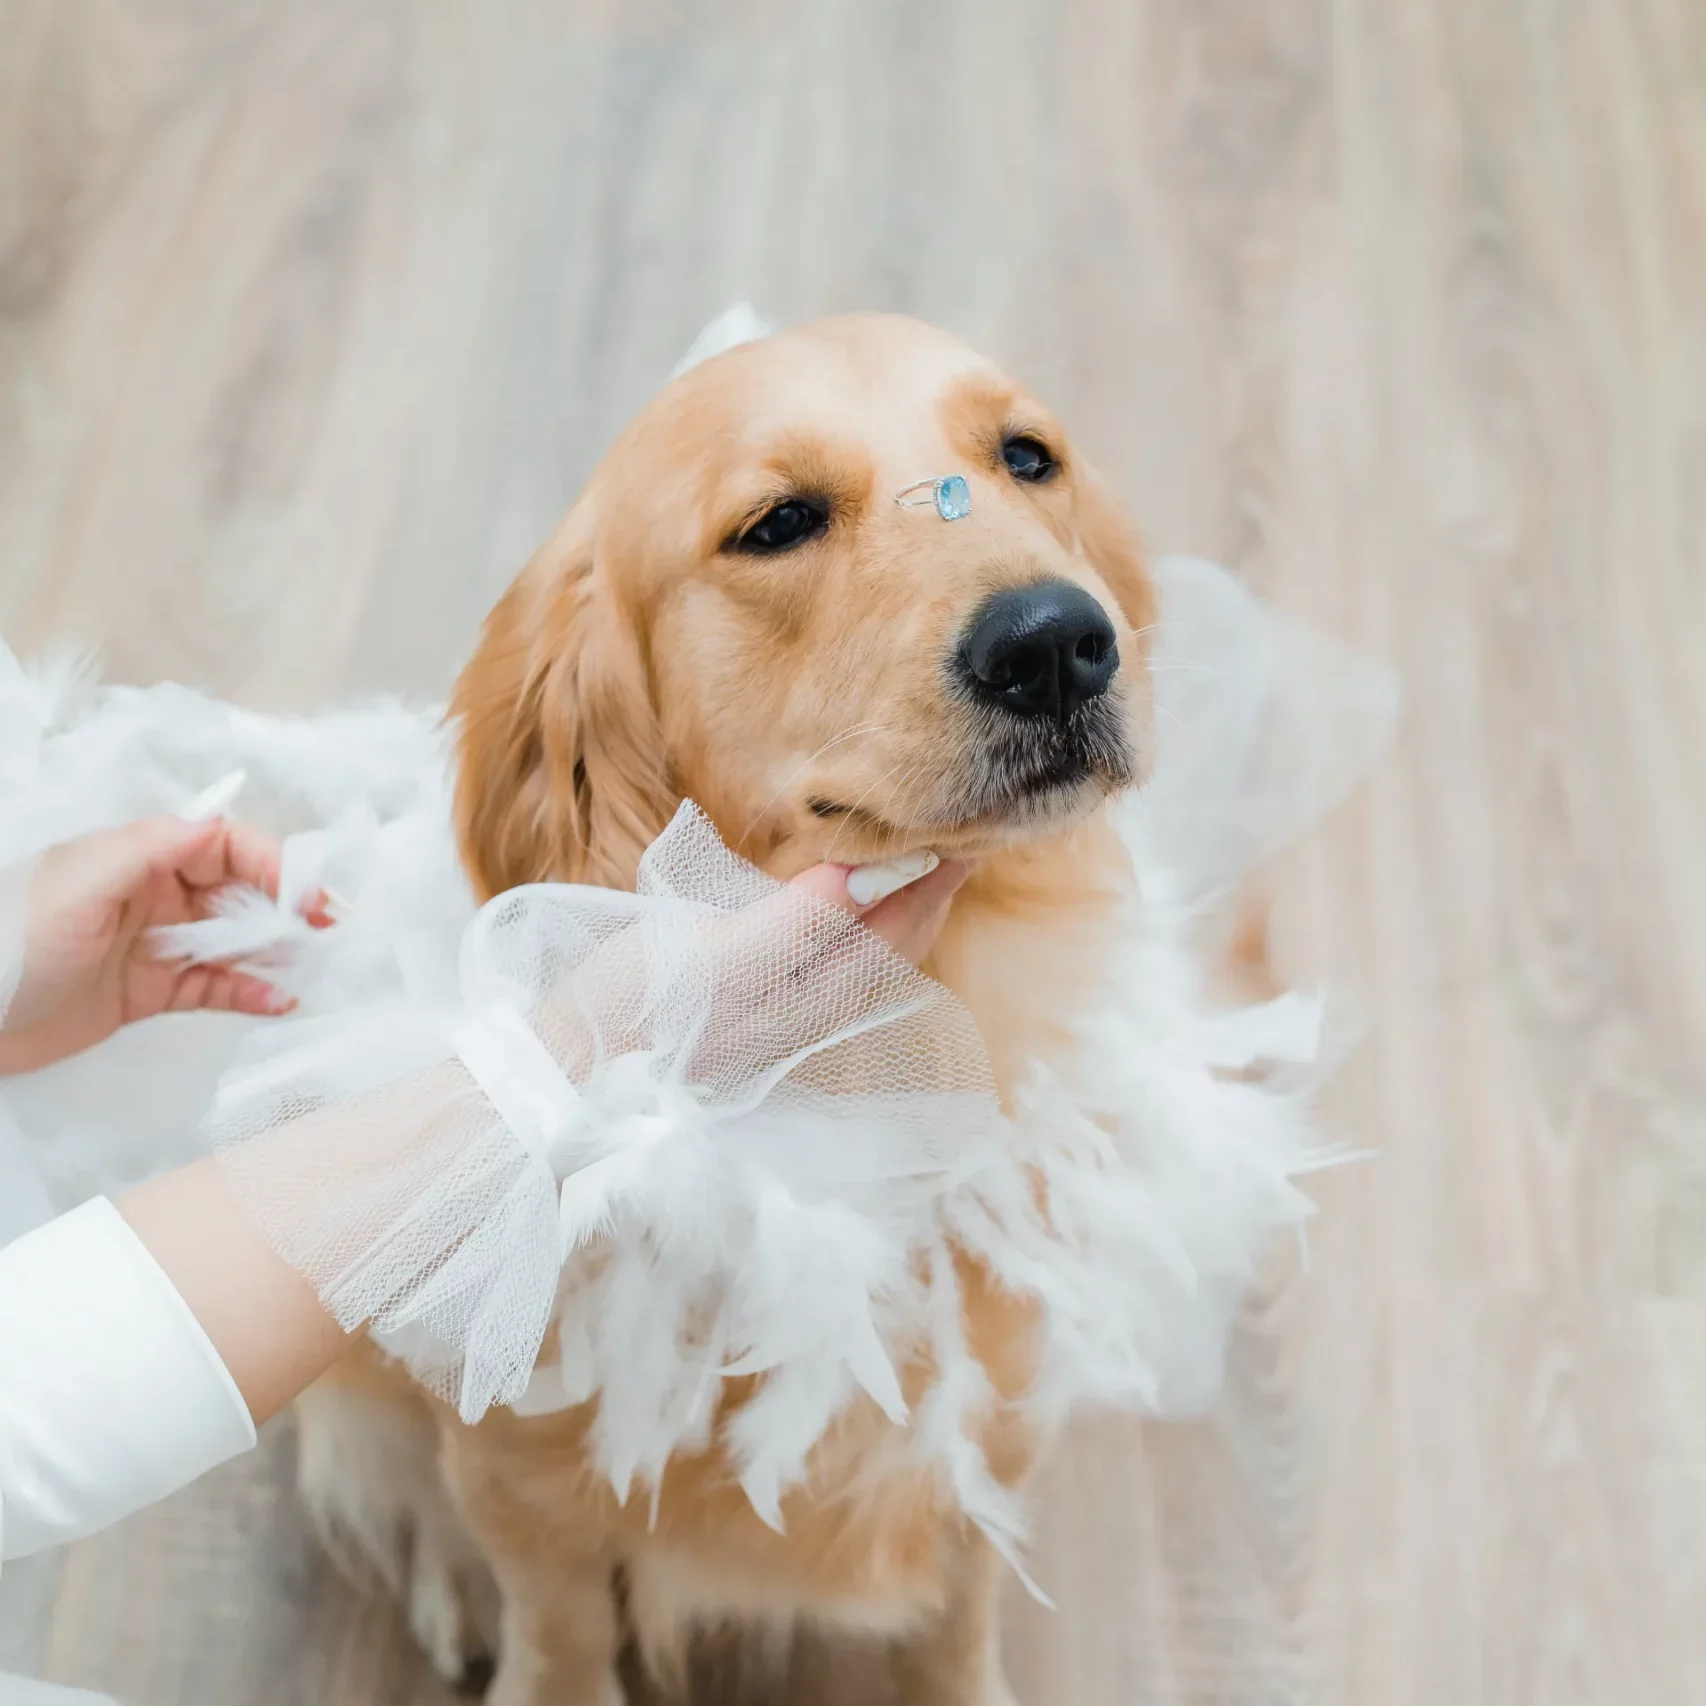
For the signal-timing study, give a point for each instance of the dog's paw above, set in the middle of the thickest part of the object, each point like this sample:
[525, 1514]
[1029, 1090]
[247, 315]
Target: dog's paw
[367, 1470]
[606, 1690]
[451, 1624]
[476, 1678]
[521, 1685]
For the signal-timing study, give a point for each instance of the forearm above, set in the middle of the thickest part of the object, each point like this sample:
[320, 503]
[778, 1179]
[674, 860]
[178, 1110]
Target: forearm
[259, 1313]
[141, 1342]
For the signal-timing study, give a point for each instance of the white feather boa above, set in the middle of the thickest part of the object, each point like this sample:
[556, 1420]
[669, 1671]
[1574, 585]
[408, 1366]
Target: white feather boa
[1167, 1169]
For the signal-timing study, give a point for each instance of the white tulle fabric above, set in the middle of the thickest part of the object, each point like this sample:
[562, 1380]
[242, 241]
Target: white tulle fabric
[1263, 725]
[708, 1119]
[716, 1128]
[771, 1133]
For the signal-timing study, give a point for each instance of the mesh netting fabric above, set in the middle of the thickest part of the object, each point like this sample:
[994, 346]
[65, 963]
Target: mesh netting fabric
[772, 1133]
[717, 1102]
[1264, 725]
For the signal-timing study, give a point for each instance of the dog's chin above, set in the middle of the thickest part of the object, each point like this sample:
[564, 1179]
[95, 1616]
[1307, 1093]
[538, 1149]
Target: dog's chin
[994, 806]
[1006, 784]
[1038, 808]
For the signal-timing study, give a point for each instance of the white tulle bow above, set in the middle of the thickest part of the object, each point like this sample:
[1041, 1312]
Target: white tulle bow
[698, 1100]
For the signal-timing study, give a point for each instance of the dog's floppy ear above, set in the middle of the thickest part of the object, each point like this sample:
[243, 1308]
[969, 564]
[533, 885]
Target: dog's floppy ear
[561, 773]
[1108, 536]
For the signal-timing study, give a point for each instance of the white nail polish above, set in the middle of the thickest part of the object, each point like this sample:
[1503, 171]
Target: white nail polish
[211, 802]
[867, 884]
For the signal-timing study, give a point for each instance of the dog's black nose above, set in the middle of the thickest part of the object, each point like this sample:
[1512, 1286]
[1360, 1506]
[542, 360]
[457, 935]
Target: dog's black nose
[1041, 650]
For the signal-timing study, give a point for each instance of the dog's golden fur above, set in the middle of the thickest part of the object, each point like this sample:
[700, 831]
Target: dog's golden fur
[805, 700]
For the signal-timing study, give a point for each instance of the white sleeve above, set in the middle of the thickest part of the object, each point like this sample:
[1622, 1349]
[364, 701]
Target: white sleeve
[21, 1691]
[111, 1395]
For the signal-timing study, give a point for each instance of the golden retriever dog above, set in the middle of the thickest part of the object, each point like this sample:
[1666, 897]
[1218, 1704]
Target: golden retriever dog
[739, 611]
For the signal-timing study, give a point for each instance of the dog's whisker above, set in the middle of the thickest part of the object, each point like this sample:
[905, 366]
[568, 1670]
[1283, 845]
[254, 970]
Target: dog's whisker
[894, 831]
[859, 732]
[1184, 663]
[830, 851]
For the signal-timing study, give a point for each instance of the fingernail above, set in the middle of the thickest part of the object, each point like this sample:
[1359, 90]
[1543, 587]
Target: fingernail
[211, 802]
[867, 884]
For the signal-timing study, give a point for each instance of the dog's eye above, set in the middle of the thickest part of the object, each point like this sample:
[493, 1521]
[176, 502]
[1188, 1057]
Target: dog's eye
[782, 527]
[1026, 459]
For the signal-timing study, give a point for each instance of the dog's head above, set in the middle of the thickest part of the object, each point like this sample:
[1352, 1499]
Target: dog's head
[739, 611]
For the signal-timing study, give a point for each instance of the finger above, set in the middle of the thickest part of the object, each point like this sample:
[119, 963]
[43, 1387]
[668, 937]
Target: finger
[115, 864]
[188, 991]
[827, 882]
[908, 920]
[224, 852]
[252, 856]
[219, 989]
[911, 920]
[256, 996]
[840, 884]
[316, 909]
[778, 932]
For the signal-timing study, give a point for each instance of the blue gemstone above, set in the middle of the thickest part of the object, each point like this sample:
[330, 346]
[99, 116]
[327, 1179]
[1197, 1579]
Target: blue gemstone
[953, 497]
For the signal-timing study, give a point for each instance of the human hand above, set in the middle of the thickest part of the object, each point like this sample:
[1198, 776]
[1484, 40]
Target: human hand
[86, 964]
[906, 910]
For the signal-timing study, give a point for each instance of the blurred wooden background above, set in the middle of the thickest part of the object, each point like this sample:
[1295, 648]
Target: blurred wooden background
[312, 317]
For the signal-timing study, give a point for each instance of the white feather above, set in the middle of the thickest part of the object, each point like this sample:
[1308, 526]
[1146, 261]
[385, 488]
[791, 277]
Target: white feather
[793, 1245]
[246, 926]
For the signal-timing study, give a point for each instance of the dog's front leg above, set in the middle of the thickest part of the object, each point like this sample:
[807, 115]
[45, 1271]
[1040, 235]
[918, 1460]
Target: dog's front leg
[559, 1638]
[956, 1660]
[368, 1470]
[559, 1633]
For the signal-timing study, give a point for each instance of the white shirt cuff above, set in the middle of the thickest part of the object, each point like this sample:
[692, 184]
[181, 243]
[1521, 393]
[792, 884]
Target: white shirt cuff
[111, 1395]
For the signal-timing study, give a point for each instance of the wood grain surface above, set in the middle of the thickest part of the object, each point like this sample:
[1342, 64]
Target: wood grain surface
[313, 316]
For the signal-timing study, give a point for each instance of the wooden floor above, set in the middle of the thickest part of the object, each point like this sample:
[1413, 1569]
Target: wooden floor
[312, 316]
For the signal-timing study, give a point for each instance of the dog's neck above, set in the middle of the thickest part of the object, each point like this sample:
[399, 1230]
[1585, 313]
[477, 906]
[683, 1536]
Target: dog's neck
[1026, 946]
